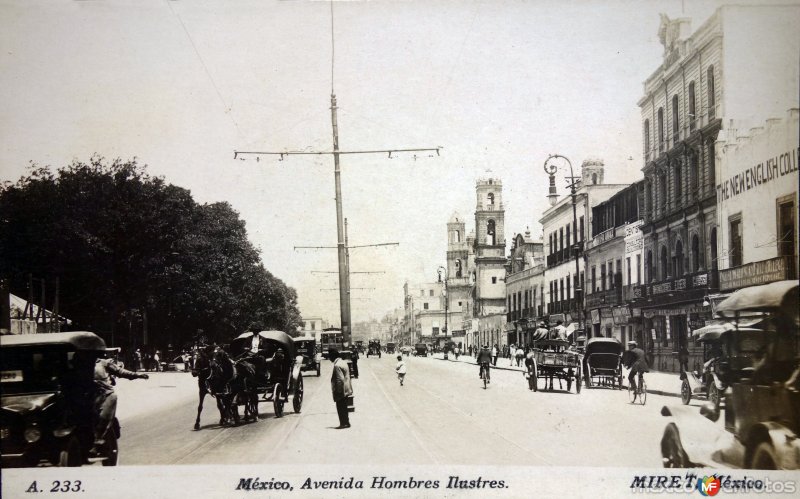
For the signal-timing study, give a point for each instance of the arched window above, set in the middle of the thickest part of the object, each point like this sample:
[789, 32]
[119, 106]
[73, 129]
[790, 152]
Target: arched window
[490, 234]
[490, 197]
[647, 138]
[662, 187]
[692, 106]
[664, 263]
[694, 173]
[677, 261]
[675, 124]
[661, 128]
[695, 253]
[594, 179]
[648, 267]
[458, 268]
[677, 175]
[711, 93]
[648, 194]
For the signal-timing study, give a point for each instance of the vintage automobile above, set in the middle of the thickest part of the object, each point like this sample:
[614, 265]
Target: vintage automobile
[285, 381]
[761, 421]
[420, 350]
[391, 347]
[602, 362]
[554, 359]
[374, 348]
[359, 346]
[48, 400]
[312, 358]
[718, 350]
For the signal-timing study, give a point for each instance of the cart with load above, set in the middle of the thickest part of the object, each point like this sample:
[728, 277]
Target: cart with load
[554, 359]
[282, 380]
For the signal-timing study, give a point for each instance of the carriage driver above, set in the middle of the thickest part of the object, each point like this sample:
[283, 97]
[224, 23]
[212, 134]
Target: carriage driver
[105, 401]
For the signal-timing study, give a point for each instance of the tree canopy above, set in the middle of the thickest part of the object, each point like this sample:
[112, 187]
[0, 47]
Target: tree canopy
[138, 260]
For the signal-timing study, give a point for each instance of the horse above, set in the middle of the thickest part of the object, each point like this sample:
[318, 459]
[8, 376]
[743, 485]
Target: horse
[231, 382]
[202, 370]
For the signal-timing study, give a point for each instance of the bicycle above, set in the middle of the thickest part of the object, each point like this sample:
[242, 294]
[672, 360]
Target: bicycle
[640, 393]
[485, 374]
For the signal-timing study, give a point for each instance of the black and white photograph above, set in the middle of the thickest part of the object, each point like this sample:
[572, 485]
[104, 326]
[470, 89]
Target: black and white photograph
[384, 248]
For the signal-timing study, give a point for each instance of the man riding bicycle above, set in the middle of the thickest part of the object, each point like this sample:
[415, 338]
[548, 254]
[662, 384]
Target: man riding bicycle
[634, 360]
[484, 358]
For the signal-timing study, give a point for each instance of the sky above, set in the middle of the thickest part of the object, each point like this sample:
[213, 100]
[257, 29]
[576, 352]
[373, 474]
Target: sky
[180, 85]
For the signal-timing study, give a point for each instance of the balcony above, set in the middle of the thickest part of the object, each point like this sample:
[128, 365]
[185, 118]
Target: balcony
[489, 207]
[565, 255]
[604, 298]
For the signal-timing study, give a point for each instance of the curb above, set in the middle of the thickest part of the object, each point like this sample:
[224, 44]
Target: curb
[654, 392]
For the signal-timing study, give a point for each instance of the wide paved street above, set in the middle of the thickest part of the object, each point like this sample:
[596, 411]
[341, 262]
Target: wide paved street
[441, 415]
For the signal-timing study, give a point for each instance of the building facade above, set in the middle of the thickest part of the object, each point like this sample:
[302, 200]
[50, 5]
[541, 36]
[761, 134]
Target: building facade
[524, 288]
[460, 265]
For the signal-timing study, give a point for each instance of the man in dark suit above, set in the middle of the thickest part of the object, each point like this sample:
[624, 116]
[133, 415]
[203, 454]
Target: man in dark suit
[634, 359]
[340, 386]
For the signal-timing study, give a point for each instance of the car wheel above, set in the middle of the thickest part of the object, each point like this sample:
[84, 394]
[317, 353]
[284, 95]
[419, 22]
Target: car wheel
[672, 452]
[70, 453]
[297, 400]
[277, 401]
[764, 457]
[686, 392]
[319, 370]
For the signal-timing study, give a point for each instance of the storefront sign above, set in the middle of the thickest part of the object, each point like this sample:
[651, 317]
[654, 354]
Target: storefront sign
[605, 313]
[633, 237]
[753, 274]
[766, 171]
[621, 315]
[596, 316]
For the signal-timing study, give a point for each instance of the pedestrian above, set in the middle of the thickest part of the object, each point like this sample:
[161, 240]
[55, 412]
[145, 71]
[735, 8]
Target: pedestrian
[520, 356]
[495, 351]
[512, 354]
[354, 359]
[401, 369]
[683, 358]
[458, 352]
[341, 387]
[137, 360]
[470, 350]
[157, 360]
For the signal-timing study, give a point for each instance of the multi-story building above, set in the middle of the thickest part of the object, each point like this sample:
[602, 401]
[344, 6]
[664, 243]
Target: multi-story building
[489, 290]
[312, 326]
[564, 236]
[708, 81]
[460, 265]
[425, 312]
[614, 263]
[757, 204]
[524, 288]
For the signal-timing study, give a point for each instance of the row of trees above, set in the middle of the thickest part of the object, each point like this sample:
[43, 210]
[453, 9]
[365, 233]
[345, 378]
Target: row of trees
[137, 259]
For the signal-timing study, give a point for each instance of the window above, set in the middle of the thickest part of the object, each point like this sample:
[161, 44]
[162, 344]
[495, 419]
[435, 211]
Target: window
[550, 240]
[490, 235]
[603, 276]
[561, 289]
[490, 197]
[611, 274]
[594, 278]
[677, 260]
[313, 325]
[692, 107]
[569, 287]
[561, 239]
[494, 280]
[425, 305]
[662, 184]
[619, 271]
[712, 165]
[638, 269]
[660, 128]
[568, 238]
[695, 253]
[786, 227]
[422, 292]
[581, 228]
[648, 195]
[664, 263]
[694, 172]
[430, 291]
[594, 179]
[628, 267]
[435, 331]
[678, 182]
[647, 138]
[711, 90]
[675, 127]
[735, 248]
[649, 272]
[459, 304]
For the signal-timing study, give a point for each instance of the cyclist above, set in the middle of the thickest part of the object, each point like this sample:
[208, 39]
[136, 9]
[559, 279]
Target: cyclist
[484, 358]
[634, 360]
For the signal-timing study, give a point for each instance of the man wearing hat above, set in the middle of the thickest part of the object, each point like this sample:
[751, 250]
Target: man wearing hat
[483, 359]
[635, 361]
[340, 386]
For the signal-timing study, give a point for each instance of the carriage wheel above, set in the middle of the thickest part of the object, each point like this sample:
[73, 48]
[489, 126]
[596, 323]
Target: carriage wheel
[569, 382]
[277, 400]
[297, 400]
[111, 449]
[319, 369]
[686, 392]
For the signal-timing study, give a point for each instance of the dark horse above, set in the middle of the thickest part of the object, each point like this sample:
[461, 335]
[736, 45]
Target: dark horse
[202, 370]
[232, 382]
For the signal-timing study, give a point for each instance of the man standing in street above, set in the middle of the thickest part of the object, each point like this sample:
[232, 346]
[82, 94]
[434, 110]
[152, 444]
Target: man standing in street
[340, 386]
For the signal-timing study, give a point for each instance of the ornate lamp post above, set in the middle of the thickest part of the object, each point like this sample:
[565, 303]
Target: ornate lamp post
[550, 168]
[442, 270]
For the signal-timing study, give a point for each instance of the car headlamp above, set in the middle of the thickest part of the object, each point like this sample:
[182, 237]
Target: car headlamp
[32, 434]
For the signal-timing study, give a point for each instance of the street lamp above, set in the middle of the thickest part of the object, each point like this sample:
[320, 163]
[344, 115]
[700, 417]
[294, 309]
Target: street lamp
[550, 168]
[442, 270]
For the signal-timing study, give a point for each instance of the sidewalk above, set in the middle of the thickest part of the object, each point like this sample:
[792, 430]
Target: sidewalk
[659, 383]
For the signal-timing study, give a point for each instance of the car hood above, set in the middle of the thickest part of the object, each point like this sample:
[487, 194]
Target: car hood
[23, 404]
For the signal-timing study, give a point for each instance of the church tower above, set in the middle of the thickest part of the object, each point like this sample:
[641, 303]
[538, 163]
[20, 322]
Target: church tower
[490, 248]
[457, 250]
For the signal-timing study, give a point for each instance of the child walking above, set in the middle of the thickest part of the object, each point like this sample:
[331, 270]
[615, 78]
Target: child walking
[401, 369]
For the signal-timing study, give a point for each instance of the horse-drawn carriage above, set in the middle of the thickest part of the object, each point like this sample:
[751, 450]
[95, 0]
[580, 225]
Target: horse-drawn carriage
[553, 359]
[602, 363]
[280, 377]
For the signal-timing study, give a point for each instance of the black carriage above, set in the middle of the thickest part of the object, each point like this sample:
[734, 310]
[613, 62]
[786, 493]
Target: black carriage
[374, 348]
[553, 359]
[283, 379]
[761, 424]
[602, 363]
[312, 358]
[48, 400]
